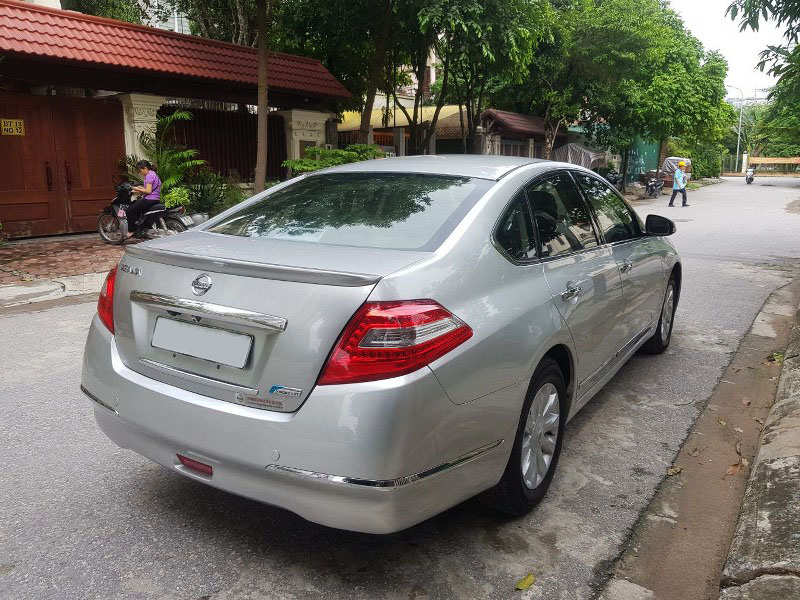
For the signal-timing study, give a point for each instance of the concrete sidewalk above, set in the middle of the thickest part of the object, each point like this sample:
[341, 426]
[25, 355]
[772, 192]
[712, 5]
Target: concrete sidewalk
[52, 268]
[764, 559]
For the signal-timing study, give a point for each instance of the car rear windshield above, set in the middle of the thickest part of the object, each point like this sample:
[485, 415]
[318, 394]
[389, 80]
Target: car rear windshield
[403, 211]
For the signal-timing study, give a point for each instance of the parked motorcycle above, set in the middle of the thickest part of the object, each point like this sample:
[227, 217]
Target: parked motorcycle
[654, 185]
[749, 175]
[615, 179]
[159, 221]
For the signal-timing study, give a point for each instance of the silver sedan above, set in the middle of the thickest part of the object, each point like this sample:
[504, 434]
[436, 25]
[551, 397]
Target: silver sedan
[369, 345]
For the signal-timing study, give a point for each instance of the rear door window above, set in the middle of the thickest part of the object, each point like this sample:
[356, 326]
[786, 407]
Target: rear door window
[617, 222]
[562, 217]
[515, 231]
[403, 211]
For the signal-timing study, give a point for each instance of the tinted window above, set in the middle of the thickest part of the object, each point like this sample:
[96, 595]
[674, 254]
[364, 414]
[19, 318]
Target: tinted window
[405, 211]
[614, 218]
[515, 232]
[561, 215]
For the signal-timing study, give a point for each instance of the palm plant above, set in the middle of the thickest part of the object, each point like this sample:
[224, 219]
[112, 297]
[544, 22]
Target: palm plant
[171, 160]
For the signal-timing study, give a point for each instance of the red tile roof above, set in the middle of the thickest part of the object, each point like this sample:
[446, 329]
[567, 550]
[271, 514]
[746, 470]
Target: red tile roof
[526, 125]
[65, 36]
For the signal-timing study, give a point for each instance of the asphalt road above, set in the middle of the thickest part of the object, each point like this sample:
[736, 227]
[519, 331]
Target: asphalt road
[80, 518]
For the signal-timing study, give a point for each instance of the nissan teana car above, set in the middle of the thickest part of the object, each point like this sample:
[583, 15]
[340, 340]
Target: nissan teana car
[371, 344]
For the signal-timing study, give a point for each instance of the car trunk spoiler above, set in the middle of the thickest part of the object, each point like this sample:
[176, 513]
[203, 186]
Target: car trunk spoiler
[260, 270]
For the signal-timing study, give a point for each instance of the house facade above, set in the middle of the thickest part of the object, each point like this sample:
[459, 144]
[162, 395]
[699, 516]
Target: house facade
[77, 90]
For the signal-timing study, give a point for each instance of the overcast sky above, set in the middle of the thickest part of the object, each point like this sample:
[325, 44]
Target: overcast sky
[707, 21]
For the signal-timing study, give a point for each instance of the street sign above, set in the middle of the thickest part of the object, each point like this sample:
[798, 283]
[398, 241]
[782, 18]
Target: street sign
[13, 127]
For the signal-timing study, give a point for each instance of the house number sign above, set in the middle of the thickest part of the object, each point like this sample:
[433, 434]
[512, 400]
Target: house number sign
[13, 126]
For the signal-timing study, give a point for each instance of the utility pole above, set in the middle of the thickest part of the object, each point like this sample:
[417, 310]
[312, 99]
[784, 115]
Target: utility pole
[739, 134]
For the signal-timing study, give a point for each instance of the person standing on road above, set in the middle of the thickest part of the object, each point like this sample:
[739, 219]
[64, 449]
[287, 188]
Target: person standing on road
[151, 194]
[679, 184]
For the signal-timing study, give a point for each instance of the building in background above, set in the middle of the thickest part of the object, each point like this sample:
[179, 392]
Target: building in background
[81, 89]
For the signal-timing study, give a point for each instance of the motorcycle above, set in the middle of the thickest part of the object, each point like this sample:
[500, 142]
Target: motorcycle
[750, 175]
[614, 179]
[654, 185]
[159, 221]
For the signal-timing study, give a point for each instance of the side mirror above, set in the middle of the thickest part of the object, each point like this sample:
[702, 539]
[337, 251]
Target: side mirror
[658, 225]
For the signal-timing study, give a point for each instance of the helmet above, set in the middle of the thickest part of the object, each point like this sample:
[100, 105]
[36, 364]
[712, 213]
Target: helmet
[681, 164]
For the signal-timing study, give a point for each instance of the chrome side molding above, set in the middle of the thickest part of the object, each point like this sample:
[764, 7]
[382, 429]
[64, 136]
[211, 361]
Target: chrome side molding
[389, 483]
[206, 309]
[97, 400]
[222, 385]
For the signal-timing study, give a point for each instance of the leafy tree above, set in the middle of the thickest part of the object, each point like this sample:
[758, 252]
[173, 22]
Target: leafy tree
[671, 88]
[122, 10]
[783, 60]
[491, 48]
[172, 162]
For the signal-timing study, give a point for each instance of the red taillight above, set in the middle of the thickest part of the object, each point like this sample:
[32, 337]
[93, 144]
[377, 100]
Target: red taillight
[388, 339]
[195, 465]
[105, 304]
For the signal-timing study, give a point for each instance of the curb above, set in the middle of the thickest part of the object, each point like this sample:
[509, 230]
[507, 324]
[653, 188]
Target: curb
[40, 290]
[764, 558]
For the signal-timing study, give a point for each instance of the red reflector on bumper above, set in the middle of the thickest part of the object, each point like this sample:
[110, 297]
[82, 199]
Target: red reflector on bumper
[195, 465]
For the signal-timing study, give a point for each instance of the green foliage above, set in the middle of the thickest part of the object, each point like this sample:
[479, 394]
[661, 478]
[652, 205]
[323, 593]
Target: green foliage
[122, 10]
[206, 190]
[780, 122]
[177, 196]
[172, 162]
[321, 158]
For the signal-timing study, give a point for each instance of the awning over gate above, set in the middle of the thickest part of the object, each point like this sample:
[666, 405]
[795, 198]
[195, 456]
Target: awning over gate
[107, 54]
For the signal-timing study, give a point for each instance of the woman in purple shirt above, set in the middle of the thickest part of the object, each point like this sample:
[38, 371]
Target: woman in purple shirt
[151, 194]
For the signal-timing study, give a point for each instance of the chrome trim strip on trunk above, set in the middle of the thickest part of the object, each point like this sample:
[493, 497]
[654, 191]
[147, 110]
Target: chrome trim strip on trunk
[198, 308]
[97, 400]
[389, 483]
[248, 268]
[222, 385]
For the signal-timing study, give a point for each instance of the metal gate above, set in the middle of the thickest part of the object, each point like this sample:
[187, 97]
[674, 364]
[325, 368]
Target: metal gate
[226, 139]
[60, 162]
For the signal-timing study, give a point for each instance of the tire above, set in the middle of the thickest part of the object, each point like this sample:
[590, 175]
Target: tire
[661, 338]
[112, 229]
[512, 494]
[174, 225]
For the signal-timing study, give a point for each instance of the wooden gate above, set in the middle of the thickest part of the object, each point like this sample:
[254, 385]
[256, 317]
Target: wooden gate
[59, 173]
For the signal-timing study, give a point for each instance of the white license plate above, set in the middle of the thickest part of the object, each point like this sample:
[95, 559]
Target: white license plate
[209, 343]
[187, 221]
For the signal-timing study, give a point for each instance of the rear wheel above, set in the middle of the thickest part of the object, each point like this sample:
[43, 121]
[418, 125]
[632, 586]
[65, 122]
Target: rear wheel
[174, 225]
[112, 229]
[537, 445]
[661, 338]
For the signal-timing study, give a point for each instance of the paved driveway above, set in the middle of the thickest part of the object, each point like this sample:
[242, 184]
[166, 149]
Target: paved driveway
[80, 518]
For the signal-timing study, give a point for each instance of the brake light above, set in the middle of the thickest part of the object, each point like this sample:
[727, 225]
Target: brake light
[105, 304]
[389, 339]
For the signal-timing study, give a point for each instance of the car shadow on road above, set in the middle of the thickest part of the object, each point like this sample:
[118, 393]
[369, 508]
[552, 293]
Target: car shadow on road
[224, 525]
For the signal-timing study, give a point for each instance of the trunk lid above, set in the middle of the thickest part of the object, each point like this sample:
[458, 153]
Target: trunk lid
[257, 329]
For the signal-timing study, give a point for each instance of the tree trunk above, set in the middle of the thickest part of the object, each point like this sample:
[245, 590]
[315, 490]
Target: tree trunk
[550, 134]
[624, 170]
[375, 70]
[263, 7]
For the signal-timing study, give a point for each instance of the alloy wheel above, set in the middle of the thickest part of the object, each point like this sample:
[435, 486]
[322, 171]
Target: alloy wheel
[540, 435]
[667, 314]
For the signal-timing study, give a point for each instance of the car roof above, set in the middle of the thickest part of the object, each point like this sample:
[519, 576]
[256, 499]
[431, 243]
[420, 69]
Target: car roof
[483, 166]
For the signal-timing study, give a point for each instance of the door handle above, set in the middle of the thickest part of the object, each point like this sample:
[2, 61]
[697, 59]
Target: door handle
[69, 175]
[625, 266]
[48, 175]
[571, 292]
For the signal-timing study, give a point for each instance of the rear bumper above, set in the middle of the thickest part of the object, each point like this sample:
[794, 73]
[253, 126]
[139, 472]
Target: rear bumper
[375, 457]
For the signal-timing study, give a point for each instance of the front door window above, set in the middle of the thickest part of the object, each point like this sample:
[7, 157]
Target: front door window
[561, 216]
